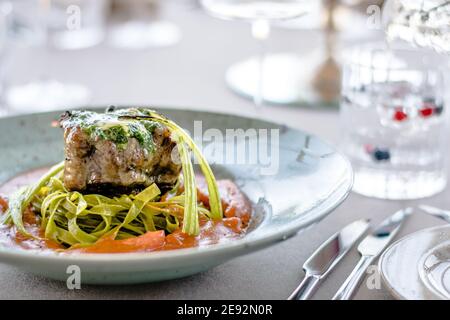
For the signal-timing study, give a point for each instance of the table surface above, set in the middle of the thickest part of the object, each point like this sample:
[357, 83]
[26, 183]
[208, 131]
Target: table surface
[191, 74]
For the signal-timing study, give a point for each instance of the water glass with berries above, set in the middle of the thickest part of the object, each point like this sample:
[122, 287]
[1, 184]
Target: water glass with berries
[394, 121]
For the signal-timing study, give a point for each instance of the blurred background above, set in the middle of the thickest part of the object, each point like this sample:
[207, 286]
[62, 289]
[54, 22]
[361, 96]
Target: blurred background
[57, 54]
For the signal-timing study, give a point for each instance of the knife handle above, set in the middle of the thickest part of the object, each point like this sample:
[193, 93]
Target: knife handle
[306, 288]
[348, 288]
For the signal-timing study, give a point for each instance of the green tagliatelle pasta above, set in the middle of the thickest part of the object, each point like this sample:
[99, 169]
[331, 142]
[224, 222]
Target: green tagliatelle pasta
[72, 218]
[23, 198]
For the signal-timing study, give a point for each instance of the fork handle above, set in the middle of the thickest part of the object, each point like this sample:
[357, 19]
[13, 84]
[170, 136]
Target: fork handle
[348, 288]
[306, 288]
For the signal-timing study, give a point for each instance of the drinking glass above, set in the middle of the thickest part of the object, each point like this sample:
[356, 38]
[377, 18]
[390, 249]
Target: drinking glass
[260, 14]
[425, 23]
[35, 26]
[5, 21]
[64, 24]
[138, 24]
[76, 24]
[394, 121]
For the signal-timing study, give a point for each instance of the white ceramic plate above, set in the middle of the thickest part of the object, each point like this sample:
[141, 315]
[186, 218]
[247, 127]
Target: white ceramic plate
[417, 267]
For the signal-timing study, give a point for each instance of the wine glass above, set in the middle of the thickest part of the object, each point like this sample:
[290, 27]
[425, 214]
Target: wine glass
[261, 14]
[5, 12]
[138, 25]
[34, 18]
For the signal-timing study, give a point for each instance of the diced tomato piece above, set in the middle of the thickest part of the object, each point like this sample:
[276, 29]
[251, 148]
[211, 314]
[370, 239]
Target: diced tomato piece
[234, 201]
[149, 241]
[3, 204]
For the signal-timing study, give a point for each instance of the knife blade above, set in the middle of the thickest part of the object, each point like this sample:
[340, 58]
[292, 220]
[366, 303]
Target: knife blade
[369, 249]
[322, 261]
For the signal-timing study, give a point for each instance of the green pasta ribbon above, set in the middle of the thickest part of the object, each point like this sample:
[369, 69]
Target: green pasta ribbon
[71, 218]
[184, 141]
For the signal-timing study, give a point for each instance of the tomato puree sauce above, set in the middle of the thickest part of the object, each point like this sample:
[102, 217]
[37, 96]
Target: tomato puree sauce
[237, 212]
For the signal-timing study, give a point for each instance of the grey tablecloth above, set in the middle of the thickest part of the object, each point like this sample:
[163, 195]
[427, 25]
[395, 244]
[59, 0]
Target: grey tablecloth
[190, 74]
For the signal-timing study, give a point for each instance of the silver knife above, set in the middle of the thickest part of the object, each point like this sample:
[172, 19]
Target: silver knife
[435, 212]
[370, 248]
[322, 261]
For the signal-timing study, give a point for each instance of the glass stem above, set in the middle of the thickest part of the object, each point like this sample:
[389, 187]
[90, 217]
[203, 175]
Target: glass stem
[260, 31]
[44, 11]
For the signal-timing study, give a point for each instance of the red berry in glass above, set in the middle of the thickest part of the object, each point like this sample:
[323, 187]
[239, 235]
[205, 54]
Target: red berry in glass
[427, 109]
[399, 114]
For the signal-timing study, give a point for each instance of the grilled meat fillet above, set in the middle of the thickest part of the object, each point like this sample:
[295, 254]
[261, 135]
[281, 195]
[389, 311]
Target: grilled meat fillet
[113, 152]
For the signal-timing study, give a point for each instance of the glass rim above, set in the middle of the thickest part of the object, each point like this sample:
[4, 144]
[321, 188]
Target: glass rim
[381, 48]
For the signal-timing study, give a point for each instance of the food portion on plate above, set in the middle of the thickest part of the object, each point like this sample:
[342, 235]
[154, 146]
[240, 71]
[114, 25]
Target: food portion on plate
[127, 184]
[113, 150]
